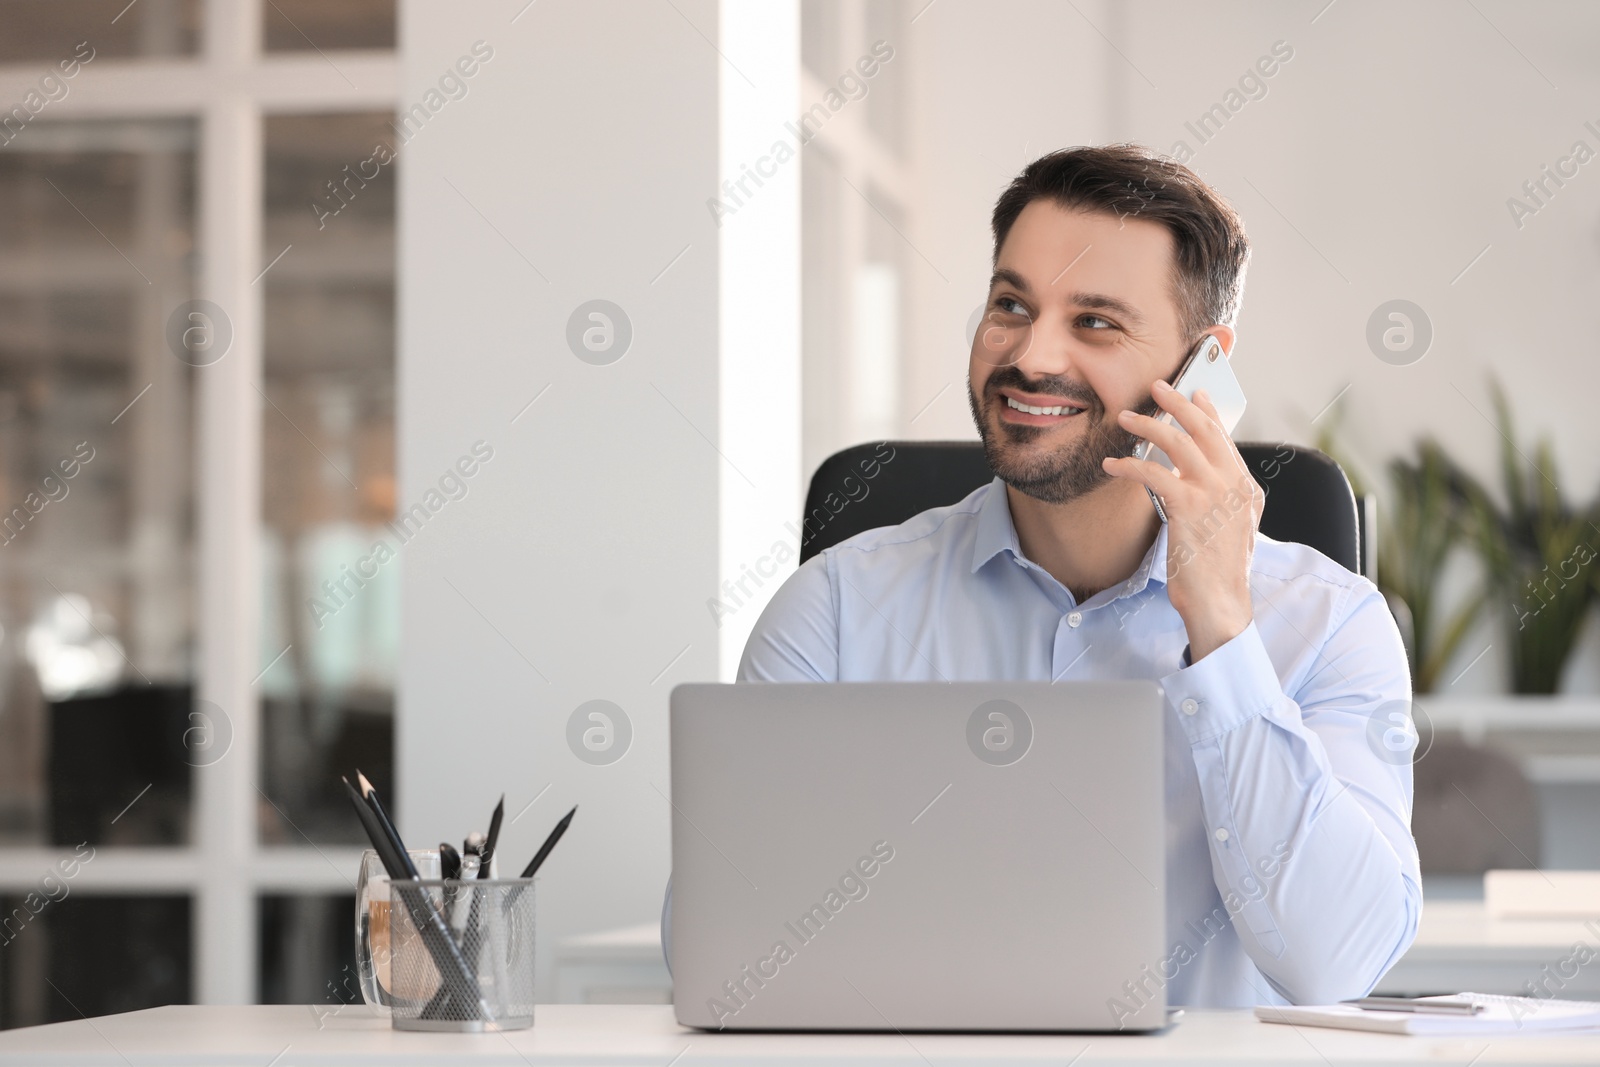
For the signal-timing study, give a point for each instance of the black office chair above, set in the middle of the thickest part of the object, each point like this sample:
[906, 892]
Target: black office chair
[1309, 500]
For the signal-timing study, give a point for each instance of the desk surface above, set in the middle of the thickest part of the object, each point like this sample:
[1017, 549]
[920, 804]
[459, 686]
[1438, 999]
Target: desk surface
[289, 1036]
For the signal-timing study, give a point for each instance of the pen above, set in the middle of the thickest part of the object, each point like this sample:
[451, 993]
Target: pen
[449, 861]
[450, 871]
[1417, 1007]
[494, 836]
[472, 846]
[472, 863]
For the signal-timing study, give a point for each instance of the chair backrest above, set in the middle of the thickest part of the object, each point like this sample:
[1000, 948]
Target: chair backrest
[885, 483]
[1367, 516]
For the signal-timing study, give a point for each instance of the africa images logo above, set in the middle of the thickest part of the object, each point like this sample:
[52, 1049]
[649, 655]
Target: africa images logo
[999, 733]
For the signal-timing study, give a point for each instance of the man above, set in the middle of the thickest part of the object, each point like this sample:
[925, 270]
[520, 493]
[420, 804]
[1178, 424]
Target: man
[1292, 874]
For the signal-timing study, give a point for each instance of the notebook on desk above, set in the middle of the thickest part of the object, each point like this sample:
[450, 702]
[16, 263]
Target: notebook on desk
[1500, 1015]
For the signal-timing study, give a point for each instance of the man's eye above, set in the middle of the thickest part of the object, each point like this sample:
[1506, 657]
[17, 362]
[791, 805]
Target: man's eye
[1096, 322]
[1010, 305]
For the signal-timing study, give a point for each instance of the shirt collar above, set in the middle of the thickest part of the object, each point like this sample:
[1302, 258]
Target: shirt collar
[996, 533]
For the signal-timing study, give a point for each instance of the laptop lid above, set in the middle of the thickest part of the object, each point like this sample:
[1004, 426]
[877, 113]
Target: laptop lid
[918, 856]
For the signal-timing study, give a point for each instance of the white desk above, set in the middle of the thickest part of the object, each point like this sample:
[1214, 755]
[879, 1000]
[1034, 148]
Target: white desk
[641, 1034]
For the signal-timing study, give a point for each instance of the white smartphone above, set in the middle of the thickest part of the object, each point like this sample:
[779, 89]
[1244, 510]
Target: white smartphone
[1206, 368]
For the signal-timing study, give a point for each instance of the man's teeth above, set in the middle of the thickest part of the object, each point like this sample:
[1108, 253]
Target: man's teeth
[1059, 409]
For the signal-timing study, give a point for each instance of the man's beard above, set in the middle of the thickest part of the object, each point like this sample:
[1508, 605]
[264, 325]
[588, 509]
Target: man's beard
[1069, 472]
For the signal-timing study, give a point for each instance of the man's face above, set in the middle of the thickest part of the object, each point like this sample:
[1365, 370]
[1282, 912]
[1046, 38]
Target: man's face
[1080, 317]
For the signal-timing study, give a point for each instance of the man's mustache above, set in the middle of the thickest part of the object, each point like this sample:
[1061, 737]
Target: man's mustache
[1010, 377]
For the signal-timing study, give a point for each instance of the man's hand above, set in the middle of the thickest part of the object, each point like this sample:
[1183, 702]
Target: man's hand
[1213, 507]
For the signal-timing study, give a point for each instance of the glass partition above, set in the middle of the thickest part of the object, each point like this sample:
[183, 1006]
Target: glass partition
[96, 483]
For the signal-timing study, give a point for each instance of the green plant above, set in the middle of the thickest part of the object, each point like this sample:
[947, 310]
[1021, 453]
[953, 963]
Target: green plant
[1537, 552]
[1427, 520]
[1423, 519]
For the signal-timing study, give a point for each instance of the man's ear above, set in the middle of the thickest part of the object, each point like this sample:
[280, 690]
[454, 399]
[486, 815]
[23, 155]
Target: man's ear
[1225, 337]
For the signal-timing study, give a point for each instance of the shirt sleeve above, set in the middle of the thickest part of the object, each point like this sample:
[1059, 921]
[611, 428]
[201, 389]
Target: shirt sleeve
[796, 639]
[1307, 801]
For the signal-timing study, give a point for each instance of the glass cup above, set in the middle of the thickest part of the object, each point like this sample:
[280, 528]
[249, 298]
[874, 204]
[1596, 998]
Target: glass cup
[373, 899]
[372, 923]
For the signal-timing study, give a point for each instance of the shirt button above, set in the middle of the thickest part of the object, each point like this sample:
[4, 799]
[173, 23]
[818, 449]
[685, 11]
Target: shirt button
[1189, 706]
[1222, 833]
[1074, 619]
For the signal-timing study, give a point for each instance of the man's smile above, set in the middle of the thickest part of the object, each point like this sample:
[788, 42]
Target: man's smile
[1032, 409]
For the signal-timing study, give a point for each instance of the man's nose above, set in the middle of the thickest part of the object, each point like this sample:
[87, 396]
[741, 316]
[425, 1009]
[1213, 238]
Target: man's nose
[1047, 351]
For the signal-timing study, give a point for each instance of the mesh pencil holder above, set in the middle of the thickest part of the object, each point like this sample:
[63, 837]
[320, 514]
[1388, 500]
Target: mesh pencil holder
[462, 954]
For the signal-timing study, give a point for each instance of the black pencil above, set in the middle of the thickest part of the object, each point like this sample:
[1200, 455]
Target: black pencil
[370, 793]
[369, 823]
[549, 843]
[447, 957]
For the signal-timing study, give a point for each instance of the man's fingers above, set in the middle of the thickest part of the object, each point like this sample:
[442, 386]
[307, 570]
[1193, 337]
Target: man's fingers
[1147, 473]
[1202, 400]
[1201, 421]
[1178, 446]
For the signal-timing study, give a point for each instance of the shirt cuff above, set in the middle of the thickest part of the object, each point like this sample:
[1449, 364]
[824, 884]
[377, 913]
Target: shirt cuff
[1234, 684]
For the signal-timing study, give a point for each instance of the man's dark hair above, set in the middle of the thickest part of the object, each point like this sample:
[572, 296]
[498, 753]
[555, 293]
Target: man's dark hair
[1128, 180]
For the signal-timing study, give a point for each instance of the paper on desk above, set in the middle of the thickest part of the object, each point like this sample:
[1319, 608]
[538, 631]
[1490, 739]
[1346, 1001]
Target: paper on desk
[1503, 1015]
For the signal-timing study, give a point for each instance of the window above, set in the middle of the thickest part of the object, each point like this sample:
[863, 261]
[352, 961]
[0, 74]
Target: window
[178, 477]
[310, 25]
[855, 253]
[96, 439]
[43, 31]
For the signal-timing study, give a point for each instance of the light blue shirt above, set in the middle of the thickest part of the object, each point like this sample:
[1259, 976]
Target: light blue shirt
[1292, 875]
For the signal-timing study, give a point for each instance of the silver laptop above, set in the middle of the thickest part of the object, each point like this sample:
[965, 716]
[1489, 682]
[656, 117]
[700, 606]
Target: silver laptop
[918, 856]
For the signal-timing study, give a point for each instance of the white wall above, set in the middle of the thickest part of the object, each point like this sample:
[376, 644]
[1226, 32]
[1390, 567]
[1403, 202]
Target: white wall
[993, 85]
[1377, 166]
[578, 565]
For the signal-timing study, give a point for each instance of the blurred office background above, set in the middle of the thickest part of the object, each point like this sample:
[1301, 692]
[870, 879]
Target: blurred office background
[275, 274]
